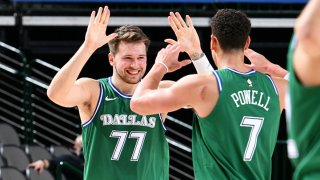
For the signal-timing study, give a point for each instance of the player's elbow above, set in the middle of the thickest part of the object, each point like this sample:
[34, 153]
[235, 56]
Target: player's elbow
[51, 93]
[137, 106]
[307, 34]
[55, 97]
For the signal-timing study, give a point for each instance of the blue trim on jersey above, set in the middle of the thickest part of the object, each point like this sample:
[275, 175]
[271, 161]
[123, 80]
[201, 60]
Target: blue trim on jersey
[117, 90]
[273, 84]
[97, 107]
[164, 127]
[219, 81]
[238, 72]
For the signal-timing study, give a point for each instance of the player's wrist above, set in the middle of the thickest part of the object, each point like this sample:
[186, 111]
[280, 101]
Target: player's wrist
[278, 71]
[202, 65]
[164, 66]
[194, 56]
[88, 48]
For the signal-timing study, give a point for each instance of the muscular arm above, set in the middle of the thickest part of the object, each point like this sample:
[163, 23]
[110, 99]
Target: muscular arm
[194, 90]
[306, 61]
[65, 89]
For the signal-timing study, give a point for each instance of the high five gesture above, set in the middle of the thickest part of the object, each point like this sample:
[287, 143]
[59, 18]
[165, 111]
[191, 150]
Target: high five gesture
[96, 32]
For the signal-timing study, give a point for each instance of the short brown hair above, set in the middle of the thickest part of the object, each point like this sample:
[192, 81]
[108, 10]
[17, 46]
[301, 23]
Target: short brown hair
[128, 33]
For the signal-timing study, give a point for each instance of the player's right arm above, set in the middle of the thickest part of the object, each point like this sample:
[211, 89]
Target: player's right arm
[65, 89]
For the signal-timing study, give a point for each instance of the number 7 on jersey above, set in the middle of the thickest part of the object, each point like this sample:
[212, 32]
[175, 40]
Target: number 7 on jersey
[255, 123]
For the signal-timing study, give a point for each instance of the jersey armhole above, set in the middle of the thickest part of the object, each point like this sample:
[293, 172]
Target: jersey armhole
[162, 123]
[97, 106]
[219, 81]
[273, 84]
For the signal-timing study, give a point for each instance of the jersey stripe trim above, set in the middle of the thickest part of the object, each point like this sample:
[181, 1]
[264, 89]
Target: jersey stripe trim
[273, 84]
[163, 126]
[117, 90]
[97, 107]
[238, 72]
[219, 81]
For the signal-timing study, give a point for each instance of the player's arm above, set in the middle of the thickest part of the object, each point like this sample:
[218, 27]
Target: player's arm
[147, 100]
[189, 90]
[282, 86]
[189, 41]
[64, 88]
[262, 64]
[306, 61]
[166, 83]
[148, 87]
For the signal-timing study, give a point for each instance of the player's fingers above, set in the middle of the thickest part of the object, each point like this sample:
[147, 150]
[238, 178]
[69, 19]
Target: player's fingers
[175, 20]
[181, 21]
[91, 20]
[189, 21]
[170, 41]
[249, 53]
[172, 23]
[104, 14]
[185, 62]
[97, 19]
[111, 36]
[107, 18]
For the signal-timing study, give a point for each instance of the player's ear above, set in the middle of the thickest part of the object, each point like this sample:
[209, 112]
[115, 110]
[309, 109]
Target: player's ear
[213, 42]
[248, 41]
[111, 59]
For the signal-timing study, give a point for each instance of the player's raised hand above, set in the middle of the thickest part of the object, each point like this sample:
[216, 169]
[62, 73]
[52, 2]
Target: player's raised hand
[96, 31]
[169, 57]
[187, 35]
[260, 63]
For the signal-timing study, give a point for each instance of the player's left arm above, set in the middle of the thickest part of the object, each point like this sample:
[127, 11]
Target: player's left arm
[282, 86]
[260, 63]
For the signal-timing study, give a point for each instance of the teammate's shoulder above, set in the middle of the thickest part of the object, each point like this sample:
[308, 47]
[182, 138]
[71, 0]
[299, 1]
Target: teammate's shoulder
[196, 78]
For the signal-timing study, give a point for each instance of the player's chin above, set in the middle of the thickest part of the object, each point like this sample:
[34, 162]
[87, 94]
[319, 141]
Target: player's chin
[134, 80]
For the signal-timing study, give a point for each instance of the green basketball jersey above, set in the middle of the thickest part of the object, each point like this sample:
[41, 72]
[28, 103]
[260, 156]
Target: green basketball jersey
[303, 121]
[236, 140]
[119, 144]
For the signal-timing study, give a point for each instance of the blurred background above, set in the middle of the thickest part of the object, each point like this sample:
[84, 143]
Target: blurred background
[37, 37]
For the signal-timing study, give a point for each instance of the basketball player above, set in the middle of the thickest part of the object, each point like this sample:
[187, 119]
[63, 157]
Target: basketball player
[304, 88]
[117, 143]
[238, 108]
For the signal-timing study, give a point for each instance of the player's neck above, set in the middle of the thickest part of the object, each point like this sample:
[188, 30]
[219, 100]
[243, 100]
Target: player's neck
[123, 86]
[232, 60]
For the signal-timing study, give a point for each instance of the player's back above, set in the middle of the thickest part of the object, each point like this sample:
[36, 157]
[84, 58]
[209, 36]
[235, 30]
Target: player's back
[237, 139]
[119, 144]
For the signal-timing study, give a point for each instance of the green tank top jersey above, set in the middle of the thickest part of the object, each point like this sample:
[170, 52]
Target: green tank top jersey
[303, 121]
[119, 144]
[236, 140]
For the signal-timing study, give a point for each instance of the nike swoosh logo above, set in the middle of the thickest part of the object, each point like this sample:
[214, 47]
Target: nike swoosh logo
[110, 99]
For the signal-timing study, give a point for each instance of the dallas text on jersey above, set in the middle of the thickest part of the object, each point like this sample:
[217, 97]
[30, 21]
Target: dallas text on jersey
[125, 119]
